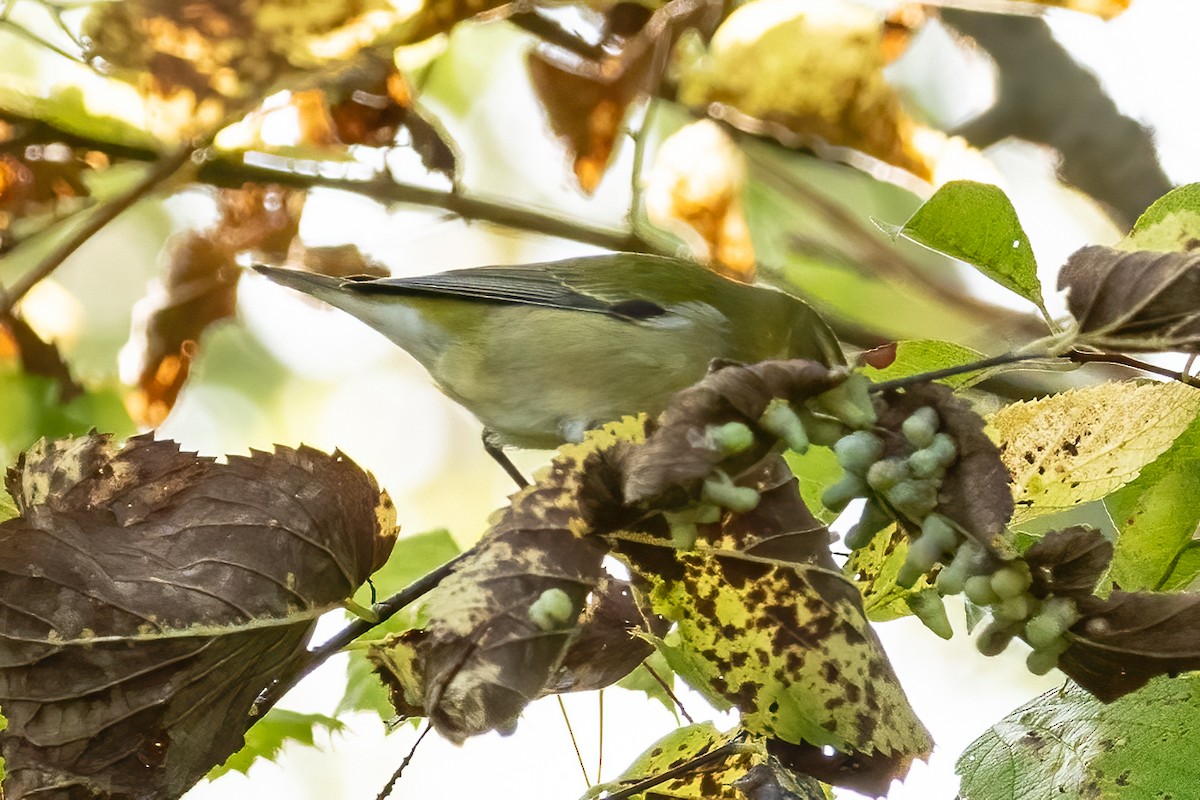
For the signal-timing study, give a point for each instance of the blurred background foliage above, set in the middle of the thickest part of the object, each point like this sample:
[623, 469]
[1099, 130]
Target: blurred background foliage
[150, 149]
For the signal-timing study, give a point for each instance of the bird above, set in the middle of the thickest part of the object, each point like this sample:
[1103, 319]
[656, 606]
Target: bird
[541, 353]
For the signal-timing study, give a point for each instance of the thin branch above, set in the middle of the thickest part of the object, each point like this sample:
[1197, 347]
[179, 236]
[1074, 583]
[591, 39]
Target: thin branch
[1083, 357]
[683, 769]
[950, 372]
[227, 173]
[382, 612]
[562, 707]
[45, 44]
[158, 173]
[391, 784]
[671, 694]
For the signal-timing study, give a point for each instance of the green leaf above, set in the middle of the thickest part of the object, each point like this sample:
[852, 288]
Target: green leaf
[874, 570]
[1184, 571]
[640, 680]
[1067, 743]
[816, 470]
[1077, 446]
[976, 223]
[32, 411]
[1171, 224]
[8, 509]
[268, 736]
[1156, 515]
[746, 638]
[918, 356]
[714, 778]
[412, 557]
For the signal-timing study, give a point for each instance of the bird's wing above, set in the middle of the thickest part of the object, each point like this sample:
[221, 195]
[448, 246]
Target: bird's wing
[535, 284]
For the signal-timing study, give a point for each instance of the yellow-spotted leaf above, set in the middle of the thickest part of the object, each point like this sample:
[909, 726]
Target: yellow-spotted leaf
[706, 764]
[790, 646]
[1078, 446]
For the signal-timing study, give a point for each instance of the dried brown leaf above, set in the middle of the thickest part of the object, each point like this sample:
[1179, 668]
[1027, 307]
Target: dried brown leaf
[1128, 638]
[975, 492]
[678, 455]
[199, 287]
[1068, 562]
[1135, 301]
[39, 357]
[151, 595]
[607, 645]
[503, 621]
[586, 100]
[1122, 640]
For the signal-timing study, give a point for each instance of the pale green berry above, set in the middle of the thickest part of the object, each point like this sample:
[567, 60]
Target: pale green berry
[1012, 579]
[838, 495]
[920, 426]
[978, 589]
[552, 610]
[926, 465]
[886, 473]
[731, 438]
[1052, 621]
[1039, 662]
[850, 401]
[994, 639]
[822, 430]
[913, 498]
[939, 529]
[928, 607]
[781, 420]
[874, 519]
[858, 451]
[1013, 609]
[727, 494]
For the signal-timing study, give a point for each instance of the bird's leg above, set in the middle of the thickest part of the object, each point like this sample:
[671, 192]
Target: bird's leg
[497, 453]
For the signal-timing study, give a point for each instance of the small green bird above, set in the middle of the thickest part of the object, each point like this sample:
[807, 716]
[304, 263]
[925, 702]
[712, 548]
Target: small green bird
[542, 352]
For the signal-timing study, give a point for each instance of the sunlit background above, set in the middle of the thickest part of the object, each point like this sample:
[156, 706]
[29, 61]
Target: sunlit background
[289, 371]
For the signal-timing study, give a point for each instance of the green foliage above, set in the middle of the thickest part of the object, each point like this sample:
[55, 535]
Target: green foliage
[32, 411]
[640, 680]
[1171, 224]
[976, 223]
[268, 736]
[1067, 743]
[1077, 446]
[917, 356]
[412, 557]
[1156, 516]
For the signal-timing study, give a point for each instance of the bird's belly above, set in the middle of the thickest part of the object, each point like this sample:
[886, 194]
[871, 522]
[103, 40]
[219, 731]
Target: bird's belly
[601, 373]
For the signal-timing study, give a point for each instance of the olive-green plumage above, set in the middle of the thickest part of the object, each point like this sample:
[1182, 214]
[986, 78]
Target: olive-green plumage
[539, 353]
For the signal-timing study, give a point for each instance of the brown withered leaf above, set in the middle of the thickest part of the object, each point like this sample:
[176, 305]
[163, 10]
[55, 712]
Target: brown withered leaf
[502, 622]
[199, 287]
[150, 595]
[1134, 300]
[1128, 638]
[607, 645]
[1068, 562]
[678, 457]
[39, 357]
[975, 492]
[586, 100]
[41, 178]
[1122, 640]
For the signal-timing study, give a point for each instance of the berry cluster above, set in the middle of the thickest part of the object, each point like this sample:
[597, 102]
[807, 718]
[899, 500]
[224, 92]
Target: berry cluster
[900, 478]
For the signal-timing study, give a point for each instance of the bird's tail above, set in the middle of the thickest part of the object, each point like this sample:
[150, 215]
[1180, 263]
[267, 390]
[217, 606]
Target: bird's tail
[320, 286]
